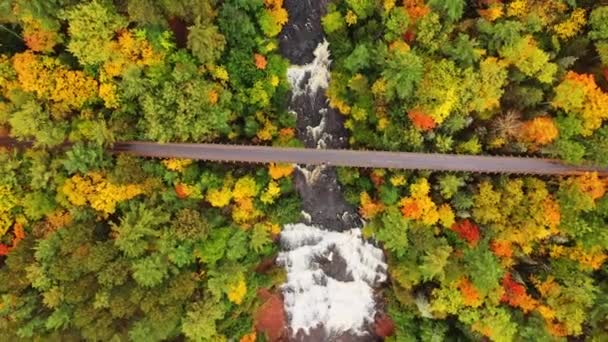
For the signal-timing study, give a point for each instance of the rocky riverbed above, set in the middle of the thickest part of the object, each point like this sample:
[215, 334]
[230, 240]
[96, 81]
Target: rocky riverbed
[318, 126]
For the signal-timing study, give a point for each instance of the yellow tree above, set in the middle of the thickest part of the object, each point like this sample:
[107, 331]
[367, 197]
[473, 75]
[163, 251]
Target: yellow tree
[578, 94]
[49, 80]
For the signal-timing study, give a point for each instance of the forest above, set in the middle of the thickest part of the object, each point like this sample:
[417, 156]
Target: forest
[102, 246]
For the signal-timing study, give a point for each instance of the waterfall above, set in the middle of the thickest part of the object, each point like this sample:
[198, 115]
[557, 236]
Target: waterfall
[330, 279]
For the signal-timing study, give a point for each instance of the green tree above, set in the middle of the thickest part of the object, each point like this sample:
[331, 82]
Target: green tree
[529, 59]
[200, 321]
[598, 20]
[449, 185]
[451, 9]
[391, 228]
[91, 27]
[431, 35]
[596, 148]
[32, 121]
[403, 72]
[84, 158]
[483, 267]
[359, 59]
[137, 228]
[439, 92]
[362, 8]
[500, 34]
[333, 21]
[396, 24]
[183, 106]
[206, 42]
[464, 50]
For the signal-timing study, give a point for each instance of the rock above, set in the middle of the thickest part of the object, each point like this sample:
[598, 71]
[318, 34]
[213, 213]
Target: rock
[265, 265]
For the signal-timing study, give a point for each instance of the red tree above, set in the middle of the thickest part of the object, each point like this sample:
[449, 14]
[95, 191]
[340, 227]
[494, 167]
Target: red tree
[270, 318]
[384, 326]
[468, 231]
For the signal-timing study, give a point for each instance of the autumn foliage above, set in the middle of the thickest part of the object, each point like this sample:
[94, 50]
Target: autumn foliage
[369, 208]
[515, 294]
[260, 61]
[278, 171]
[468, 231]
[95, 190]
[101, 246]
[48, 80]
[270, 317]
[469, 293]
[579, 95]
[540, 130]
[421, 120]
[384, 326]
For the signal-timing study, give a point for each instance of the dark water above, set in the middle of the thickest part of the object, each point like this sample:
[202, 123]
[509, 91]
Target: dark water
[322, 198]
[303, 32]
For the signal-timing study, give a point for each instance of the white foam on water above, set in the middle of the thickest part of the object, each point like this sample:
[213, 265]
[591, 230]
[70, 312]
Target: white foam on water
[306, 216]
[309, 79]
[311, 176]
[313, 298]
[318, 70]
[316, 132]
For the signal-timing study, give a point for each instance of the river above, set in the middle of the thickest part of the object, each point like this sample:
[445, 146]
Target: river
[332, 273]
